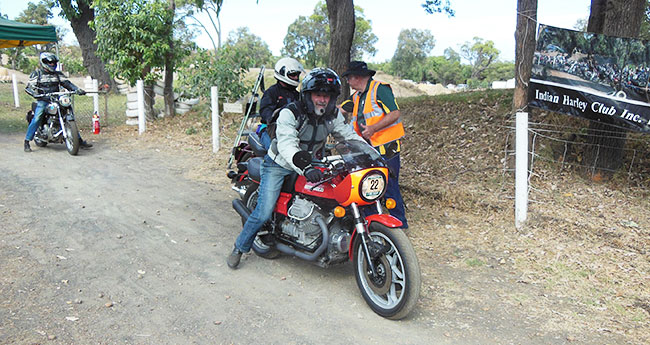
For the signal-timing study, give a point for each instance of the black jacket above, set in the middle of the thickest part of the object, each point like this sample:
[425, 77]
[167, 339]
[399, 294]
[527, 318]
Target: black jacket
[41, 82]
[276, 97]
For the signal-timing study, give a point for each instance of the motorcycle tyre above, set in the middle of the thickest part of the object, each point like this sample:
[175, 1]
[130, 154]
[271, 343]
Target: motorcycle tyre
[72, 142]
[411, 292]
[259, 247]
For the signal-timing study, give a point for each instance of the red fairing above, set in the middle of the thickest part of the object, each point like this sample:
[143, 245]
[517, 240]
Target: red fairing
[385, 219]
[324, 190]
[283, 203]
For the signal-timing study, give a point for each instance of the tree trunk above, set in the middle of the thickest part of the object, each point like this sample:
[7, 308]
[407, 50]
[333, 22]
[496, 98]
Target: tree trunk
[86, 37]
[149, 101]
[614, 18]
[341, 18]
[169, 66]
[524, 50]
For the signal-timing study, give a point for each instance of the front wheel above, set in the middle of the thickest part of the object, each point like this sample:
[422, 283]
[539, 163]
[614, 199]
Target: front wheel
[395, 288]
[72, 137]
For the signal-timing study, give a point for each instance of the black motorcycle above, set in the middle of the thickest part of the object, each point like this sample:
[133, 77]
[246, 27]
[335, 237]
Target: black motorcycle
[57, 122]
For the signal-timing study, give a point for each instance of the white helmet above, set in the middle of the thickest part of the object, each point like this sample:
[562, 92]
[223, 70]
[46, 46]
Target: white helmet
[288, 66]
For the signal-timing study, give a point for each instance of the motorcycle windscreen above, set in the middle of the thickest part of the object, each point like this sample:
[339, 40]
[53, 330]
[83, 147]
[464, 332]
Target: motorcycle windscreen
[358, 155]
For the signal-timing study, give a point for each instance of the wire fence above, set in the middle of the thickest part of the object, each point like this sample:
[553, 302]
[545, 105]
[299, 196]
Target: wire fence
[565, 144]
[111, 109]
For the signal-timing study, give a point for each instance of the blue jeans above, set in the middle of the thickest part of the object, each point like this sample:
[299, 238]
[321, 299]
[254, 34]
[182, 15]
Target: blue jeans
[268, 193]
[392, 191]
[36, 120]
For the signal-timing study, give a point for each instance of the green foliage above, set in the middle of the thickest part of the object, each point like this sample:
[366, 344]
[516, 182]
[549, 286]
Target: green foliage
[446, 70]
[308, 37]
[202, 70]
[480, 54]
[36, 13]
[413, 46]
[246, 43]
[437, 6]
[133, 36]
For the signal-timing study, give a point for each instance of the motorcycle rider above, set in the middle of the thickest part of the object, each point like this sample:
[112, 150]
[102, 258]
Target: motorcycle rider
[300, 133]
[44, 80]
[286, 72]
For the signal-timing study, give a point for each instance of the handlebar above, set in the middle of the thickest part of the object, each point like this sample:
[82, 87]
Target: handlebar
[61, 93]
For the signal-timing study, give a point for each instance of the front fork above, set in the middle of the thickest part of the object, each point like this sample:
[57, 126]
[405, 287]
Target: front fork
[65, 133]
[361, 227]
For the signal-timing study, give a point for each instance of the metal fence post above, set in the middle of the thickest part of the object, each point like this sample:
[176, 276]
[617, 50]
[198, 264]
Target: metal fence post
[141, 120]
[521, 170]
[15, 85]
[214, 93]
[95, 97]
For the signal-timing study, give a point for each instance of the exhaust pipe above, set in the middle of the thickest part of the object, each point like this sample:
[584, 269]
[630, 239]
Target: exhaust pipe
[309, 257]
[239, 206]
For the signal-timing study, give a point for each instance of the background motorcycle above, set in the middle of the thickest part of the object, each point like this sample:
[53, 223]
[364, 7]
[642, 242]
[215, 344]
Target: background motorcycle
[57, 122]
[322, 223]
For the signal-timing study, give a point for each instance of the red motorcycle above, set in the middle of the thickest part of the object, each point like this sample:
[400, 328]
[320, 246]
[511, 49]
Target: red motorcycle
[323, 223]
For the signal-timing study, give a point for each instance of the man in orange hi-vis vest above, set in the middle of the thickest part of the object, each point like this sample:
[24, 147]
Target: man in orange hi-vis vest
[374, 114]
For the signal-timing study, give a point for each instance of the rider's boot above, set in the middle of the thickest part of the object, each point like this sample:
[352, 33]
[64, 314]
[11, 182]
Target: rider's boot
[27, 148]
[234, 257]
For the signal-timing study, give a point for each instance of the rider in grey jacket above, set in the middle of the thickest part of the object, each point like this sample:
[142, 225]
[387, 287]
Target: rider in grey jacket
[299, 135]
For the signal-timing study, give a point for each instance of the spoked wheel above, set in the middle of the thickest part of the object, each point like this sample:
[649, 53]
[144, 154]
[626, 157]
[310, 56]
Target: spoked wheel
[72, 137]
[263, 243]
[395, 288]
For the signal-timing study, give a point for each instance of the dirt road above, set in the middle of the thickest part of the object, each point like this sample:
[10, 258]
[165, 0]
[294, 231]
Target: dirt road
[118, 247]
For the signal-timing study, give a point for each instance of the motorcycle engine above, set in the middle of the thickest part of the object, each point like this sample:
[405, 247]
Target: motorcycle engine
[301, 225]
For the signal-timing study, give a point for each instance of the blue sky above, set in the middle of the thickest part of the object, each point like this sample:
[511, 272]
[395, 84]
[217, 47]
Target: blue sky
[491, 20]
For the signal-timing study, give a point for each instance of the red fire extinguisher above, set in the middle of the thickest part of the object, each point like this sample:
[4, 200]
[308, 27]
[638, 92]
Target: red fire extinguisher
[95, 123]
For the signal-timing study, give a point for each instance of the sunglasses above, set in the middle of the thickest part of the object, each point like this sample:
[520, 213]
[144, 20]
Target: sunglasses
[294, 75]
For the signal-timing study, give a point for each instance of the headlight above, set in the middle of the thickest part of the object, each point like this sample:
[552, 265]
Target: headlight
[52, 108]
[65, 101]
[372, 186]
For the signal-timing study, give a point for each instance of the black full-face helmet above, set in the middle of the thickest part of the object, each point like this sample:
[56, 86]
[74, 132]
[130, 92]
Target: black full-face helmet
[48, 61]
[320, 80]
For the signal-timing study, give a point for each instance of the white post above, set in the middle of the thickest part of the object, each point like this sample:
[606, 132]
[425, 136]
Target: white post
[214, 93]
[95, 96]
[15, 84]
[521, 170]
[141, 120]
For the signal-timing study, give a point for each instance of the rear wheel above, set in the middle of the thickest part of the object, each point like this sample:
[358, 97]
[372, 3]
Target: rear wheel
[72, 137]
[263, 245]
[395, 288]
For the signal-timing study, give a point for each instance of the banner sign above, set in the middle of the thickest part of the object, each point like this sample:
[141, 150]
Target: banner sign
[592, 76]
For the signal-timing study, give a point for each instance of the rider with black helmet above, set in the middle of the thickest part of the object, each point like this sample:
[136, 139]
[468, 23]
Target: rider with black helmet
[300, 134]
[44, 80]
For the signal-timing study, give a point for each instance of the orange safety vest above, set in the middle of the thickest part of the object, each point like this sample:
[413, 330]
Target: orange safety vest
[373, 112]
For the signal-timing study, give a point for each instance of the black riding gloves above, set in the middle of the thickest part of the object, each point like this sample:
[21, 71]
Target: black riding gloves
[313, 175]
[80, 92]
[302, 159]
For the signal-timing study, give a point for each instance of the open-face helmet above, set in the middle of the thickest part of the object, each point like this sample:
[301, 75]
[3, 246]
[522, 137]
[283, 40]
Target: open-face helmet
[288, 70]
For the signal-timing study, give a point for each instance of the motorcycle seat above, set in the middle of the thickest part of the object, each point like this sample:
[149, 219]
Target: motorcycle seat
[256, 144]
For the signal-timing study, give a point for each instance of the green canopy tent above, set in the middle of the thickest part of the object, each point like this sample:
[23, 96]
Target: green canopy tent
[15, 34]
